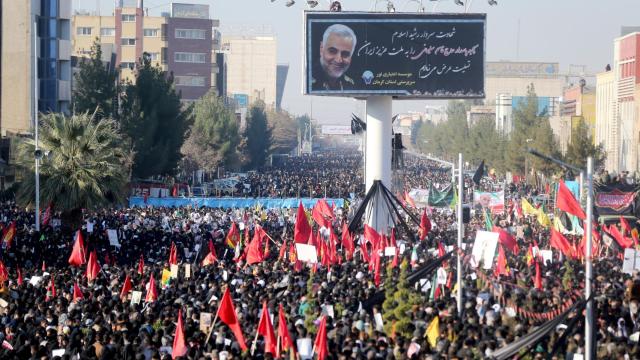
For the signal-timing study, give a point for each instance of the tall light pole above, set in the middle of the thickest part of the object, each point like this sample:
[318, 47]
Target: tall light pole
[588, 329]
[37, 153]
[460, 233]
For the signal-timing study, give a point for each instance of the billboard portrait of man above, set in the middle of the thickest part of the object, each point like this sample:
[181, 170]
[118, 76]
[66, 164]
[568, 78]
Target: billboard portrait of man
[336, 51]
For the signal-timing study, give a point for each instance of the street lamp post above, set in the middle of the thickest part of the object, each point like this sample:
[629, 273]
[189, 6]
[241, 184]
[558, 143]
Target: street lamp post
[37, 152]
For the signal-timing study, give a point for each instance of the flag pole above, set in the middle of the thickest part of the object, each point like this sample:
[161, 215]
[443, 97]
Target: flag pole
[588, 329]
[460, 232]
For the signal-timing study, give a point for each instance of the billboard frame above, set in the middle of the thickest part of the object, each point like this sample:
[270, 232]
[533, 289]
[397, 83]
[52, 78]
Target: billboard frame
[385, 17]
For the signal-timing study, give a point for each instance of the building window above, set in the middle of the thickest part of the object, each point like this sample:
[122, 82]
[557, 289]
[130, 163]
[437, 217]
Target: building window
[188, 80]
[128, 17]
[128, 41]
[108, 31]
[154, 56]
[83, 30]
[188, 57]
[151, 32]
[127, 65]
[190, 34]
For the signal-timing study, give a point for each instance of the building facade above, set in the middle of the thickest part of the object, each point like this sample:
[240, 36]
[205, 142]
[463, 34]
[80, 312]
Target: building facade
[50, 21]
[179, 42]
[618, 106]
[506, 83]
[251, 67]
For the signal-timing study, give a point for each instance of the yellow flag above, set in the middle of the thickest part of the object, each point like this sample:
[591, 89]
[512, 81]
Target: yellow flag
[543, 219]
[433, 332]
[166, 275]
[527, 209]
[557, 225]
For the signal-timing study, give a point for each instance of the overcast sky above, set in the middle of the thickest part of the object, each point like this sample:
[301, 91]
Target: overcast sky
[577, 32]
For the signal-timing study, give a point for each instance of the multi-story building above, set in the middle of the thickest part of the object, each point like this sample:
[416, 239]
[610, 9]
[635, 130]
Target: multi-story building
[50, 21]
[618, 106]
[180, 42]
[506, 84]
[281, 81]
[578, 105]
[251, 67]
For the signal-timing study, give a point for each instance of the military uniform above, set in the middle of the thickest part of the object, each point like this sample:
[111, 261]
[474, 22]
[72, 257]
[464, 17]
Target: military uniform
[320, 81]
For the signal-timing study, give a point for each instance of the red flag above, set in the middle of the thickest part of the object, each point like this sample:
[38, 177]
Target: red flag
[565, 201]
[233, 237]
[152, 292]
[51, 290]
[347, 241]
[537, 283]
[141, 265]
[501, 267]
[284, 339]
[173, 254]
[409, 200]
[372, 236]
[227, 314]
[47, 216]
[210, 259]
[77, 293]
[283, 250]
[561, 243]
[8, 235]
[325, 209]
[4, 274]
[620, 239]
[126, 287]
[376, 268]
[320, 345]
[392, 239]
[425, 225]
[364, 251]
[318, 217]
[93, 267]
[211, 247]
[179, 345]
[77, 257]
[44, 266]
[254, 250]
[20, 280]
[265, 328]
[506, 239]
[625, 225]
[302, 229]
[394, 263]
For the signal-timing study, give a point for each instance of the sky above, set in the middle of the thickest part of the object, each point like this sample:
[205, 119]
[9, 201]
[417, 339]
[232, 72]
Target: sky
[578, 32]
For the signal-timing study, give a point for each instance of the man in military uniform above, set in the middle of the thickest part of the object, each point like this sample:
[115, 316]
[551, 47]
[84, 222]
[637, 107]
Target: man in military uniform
[336, 50]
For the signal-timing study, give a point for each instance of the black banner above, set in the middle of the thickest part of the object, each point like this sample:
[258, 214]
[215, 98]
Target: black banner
[616, 199]
[404, 55]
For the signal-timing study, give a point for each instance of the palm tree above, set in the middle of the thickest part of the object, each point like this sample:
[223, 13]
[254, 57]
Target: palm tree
[86, 165]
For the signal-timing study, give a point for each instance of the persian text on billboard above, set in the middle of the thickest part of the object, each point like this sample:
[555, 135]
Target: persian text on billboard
[405, 55]
[190, 11]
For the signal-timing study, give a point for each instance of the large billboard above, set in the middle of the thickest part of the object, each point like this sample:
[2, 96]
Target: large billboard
[419, 55]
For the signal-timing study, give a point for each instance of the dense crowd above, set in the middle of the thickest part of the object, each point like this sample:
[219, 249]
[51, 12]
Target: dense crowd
[497, 310]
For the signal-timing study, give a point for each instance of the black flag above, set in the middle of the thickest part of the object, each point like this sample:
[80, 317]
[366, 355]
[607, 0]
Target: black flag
[479, 173]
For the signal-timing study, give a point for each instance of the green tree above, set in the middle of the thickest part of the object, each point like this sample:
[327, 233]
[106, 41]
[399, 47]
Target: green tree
[214, 136]
[257, 136]
[582, 146]
[398, 305]
[285, 132]
[95, 86]
[484, 143]
[154, 121]
[531, 129]
[85, 165]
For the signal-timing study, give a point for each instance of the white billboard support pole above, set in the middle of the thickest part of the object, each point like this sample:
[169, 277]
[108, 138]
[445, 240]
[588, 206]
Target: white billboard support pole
[588, 328]
[460, 234]
[378, 155]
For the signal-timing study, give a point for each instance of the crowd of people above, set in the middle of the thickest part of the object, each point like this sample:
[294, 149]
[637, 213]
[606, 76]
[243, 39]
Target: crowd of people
[500, 306]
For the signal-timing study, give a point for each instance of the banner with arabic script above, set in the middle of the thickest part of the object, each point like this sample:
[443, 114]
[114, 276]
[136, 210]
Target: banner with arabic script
[422, 55]
[616, 199]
